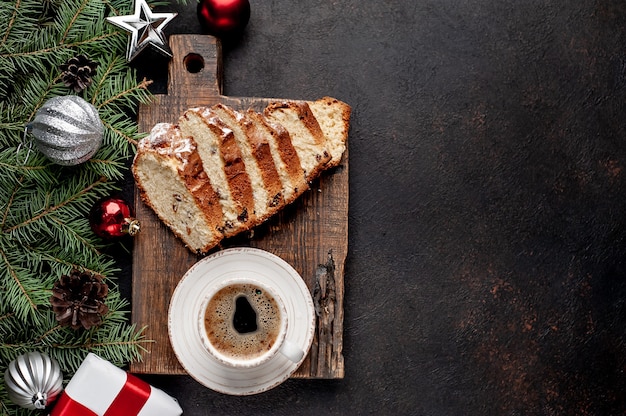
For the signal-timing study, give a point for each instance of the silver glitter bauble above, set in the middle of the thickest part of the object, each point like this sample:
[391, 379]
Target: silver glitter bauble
[67, 130]
[33, 380]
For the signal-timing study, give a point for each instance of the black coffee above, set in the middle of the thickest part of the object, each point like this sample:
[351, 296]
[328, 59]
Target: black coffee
[242, 321]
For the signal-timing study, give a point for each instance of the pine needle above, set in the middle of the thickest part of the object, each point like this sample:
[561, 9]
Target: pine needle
[44, 207]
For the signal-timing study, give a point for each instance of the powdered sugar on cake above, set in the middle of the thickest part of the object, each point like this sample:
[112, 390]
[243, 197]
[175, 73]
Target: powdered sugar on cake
[166, 139]
[218, 171]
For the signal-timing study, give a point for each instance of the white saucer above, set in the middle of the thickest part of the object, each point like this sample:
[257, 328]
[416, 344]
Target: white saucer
[186, 305]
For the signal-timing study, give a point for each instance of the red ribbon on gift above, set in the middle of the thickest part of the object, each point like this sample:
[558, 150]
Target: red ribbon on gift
[129, 401]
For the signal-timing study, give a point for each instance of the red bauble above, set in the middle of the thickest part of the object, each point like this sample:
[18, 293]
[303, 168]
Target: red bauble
[111, 218]
[224, 17]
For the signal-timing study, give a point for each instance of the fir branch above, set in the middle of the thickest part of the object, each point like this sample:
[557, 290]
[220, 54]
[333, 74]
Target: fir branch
[18, 283]
[74, 18]
[6, 316]
[122, 345]
[104, 75]
[44, 230]
[129, 92]
[54, 208]
[61, 265]
[13, 170]
[45, 52]
[11, 21]
[112, 341]
[75, 238]
[12, 125]
[132, 341]
[42, 338]
[8, 205]
[107, 167]
[121, 132]
[38, 91]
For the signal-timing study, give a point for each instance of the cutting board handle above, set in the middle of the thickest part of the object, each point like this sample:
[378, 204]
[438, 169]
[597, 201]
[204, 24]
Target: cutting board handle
[195, 69]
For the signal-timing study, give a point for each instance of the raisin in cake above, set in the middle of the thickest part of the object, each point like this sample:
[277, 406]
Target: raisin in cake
[219, 171]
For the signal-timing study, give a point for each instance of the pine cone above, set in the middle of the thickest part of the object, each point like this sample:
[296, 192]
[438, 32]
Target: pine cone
[78, 299]
[77, 72]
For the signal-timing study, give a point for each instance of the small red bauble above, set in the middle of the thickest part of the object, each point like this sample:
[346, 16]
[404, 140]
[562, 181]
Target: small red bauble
[224, 17]
[111, 218]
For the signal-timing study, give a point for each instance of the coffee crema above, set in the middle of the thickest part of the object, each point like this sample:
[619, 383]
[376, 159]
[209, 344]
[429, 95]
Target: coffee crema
[242, 321]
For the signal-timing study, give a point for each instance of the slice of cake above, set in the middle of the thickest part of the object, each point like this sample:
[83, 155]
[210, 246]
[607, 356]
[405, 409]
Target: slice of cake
[284, 156]
[255, 151]
[223, 163]
[333, 117]
[219, 171]
[306, 135]
[171, 173]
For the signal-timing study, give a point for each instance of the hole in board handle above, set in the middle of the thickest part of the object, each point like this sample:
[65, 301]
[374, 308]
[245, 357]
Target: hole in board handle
[194, 63]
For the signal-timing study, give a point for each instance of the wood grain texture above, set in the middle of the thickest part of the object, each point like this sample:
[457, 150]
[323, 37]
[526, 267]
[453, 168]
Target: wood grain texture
[311, 234]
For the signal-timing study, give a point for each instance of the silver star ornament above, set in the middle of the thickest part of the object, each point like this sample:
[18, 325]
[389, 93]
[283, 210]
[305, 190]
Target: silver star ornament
[145, 28]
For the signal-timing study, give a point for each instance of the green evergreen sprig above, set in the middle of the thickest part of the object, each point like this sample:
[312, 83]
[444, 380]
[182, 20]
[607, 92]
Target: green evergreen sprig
[44, 227]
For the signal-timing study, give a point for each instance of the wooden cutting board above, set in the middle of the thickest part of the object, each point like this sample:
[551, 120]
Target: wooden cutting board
[311, 234]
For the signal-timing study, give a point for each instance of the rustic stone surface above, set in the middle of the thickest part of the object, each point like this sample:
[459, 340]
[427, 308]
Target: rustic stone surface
[487, 226]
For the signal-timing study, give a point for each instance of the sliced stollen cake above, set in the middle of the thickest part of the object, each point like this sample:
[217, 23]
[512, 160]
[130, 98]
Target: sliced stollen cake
[224, 166]
[333, 117]
[306, 135]
[170, 171]
[219, 171]
[284, 156]
[255, 150]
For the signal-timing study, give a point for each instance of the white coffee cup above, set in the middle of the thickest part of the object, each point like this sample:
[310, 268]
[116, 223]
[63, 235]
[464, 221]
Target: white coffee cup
[243, 323]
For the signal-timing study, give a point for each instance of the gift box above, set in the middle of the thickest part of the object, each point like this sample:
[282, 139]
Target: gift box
[101, 389]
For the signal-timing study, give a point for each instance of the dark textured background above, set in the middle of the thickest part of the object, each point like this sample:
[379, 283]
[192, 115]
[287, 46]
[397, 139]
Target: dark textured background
[486, 272]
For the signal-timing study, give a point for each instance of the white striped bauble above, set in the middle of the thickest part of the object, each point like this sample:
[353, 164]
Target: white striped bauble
[33, 380]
